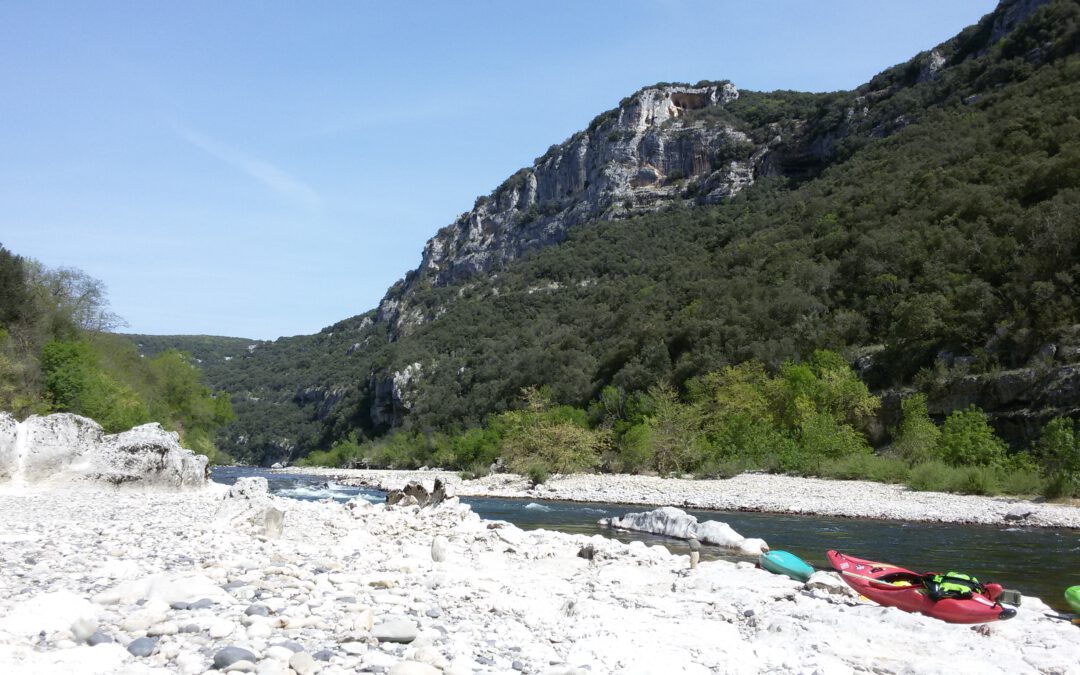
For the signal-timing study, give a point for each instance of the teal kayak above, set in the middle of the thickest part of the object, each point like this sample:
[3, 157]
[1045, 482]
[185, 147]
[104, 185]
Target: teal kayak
[789, 564]
[1072, 596]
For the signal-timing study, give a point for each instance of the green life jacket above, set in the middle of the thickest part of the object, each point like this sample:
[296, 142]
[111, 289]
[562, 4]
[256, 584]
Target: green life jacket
[951, 585]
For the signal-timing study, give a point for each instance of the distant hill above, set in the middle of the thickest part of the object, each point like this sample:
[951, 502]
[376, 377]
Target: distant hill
[207, 350]
[924, 224]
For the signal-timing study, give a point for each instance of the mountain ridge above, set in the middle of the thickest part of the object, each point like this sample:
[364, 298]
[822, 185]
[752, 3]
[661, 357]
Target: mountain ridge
[434, 351]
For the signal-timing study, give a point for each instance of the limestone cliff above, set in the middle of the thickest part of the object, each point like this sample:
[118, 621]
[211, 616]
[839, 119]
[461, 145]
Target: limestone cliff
[647, 153]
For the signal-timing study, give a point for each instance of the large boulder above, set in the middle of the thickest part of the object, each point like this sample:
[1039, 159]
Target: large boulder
[47, 446]
[672, 522]
[151, 456]
[69, 449]
[248, 506]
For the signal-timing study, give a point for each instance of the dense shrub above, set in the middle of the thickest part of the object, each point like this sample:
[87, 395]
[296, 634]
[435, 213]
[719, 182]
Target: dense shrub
[917, 437]
[1059, 449]
[968, 440]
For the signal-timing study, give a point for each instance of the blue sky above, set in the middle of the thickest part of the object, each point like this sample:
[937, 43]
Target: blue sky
[261, 169]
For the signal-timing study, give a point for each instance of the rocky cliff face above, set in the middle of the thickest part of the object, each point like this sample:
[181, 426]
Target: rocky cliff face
[647, 153]
[665, 145]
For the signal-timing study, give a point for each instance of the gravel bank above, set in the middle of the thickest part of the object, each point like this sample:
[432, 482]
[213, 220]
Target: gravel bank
[116, 582]
[746, 492]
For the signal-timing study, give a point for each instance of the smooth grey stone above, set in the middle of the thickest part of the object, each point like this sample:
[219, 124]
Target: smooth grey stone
[202, 604]
[143, 646]
[257, 610]
[290, 645]
[323, 655]
[230, 655]
[434, 612]
[190, 628]
[180, 606]
[517, 665]
[485, 660]
[395, 631]
[234, 584]
[98, 638]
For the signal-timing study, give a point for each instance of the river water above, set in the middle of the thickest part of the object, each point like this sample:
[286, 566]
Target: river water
[1042, 562]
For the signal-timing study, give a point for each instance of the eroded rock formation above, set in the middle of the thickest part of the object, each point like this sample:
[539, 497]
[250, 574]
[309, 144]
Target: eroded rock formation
[65, 448]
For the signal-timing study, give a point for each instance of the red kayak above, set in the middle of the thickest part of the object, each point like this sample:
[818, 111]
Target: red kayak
[894, 586]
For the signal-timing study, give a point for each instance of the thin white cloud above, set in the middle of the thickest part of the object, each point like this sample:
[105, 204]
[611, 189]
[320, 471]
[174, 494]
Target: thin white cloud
[266, 173]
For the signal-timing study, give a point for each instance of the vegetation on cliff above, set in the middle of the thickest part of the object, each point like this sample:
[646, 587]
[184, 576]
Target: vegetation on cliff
[931, 237]
[57, 356]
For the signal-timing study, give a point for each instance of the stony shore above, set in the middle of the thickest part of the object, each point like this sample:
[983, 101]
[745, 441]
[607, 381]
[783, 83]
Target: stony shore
[163, 583]
[746, 492]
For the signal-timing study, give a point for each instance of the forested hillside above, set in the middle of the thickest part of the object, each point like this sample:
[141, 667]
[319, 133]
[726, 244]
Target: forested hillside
[923, 226]
[57, 355]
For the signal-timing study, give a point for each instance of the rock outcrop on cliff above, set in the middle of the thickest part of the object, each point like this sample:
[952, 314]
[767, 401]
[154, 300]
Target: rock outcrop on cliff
[66, 449]
[702, 225]
[664, 144]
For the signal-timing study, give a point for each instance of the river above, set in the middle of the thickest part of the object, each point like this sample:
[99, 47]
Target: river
[1042, 562]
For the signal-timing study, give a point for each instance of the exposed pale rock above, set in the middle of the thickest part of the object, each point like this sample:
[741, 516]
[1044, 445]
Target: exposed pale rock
[248, 506]
[397, 630]
[354, 647]
[9, 450]
[304, 664]
[673, 522]
[66, 449]
[51, 613]
[438, 548]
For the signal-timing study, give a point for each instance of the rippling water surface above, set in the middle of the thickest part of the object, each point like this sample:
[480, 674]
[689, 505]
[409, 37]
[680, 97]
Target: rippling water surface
[1037, 561]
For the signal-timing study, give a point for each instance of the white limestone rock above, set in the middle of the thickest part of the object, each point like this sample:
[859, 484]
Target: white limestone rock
[66, 449]
[249, 506]
[52, 445]
[672, 522]
[59, 611]
[151, 456]
[9, 460]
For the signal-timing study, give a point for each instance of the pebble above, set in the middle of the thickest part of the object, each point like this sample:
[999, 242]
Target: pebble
[220, 629]
[278, 652]
[394, 631]
[163, 628]
[413, 668]
[323, 655]
[292, 646]
[143, 646]
[230, 655]
[304, 664]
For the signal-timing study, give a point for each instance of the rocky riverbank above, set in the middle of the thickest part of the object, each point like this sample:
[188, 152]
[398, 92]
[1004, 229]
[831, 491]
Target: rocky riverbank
[746, 492]
[120, 582]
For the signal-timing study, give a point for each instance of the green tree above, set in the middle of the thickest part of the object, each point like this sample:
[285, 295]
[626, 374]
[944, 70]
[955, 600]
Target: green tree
[541, 439]
[674, 431]
[917, 438]
[1058, 448]
[968, 440]
[76, 384]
